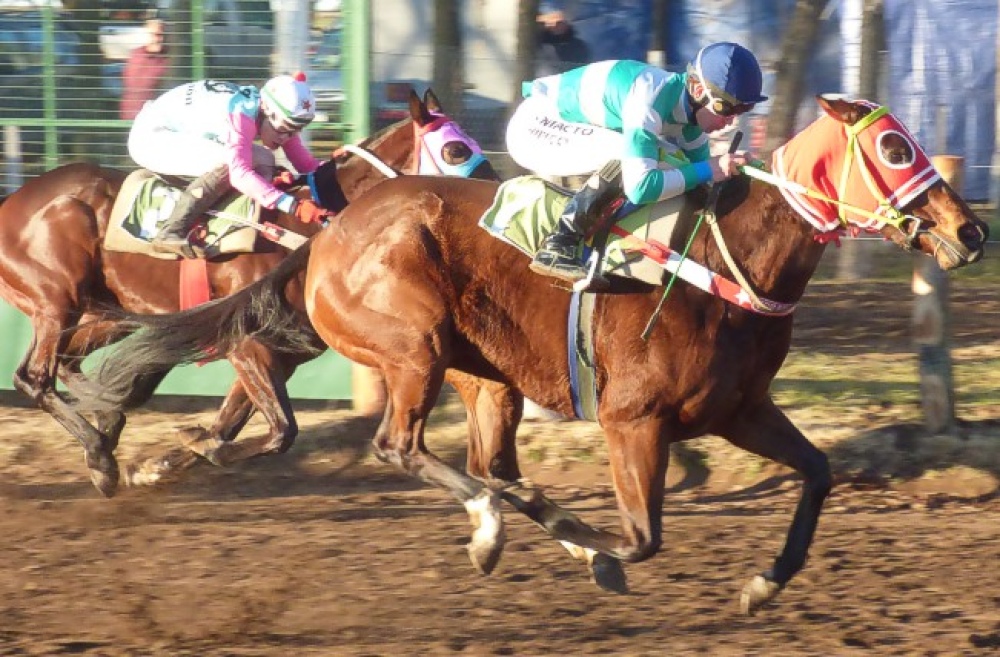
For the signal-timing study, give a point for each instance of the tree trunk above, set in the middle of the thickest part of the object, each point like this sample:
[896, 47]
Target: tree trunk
[796, 49]
[657, 54]
[932, 325]
[854, 261]
[527, 46]
[178, 43]
[872, 47]
[448, 69]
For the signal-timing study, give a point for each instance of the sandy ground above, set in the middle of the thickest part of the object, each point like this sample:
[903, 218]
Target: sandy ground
[324, 551]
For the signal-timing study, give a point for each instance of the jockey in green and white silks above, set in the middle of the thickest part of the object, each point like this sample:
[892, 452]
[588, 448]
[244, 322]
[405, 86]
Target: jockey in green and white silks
[645, 104]
[642, 102]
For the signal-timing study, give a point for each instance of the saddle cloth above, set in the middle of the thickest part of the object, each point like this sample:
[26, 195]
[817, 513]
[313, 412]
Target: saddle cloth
[526, 210]
[146, 200]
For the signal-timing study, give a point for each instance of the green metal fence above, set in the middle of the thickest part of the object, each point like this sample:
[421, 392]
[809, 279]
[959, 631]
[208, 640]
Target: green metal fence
[61, 86]
[61, 69]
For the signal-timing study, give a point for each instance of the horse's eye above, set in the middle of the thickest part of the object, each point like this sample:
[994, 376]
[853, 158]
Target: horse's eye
[895, 150]
[456, 152]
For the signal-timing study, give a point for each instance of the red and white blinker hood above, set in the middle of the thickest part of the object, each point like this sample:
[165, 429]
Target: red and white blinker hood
[816, 158]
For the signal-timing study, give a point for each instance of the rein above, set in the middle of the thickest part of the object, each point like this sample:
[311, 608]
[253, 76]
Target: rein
[419, 146]
[370, 158]
[741, 293]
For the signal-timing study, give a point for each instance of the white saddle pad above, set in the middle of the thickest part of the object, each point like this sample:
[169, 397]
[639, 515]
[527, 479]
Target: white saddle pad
[540, 141]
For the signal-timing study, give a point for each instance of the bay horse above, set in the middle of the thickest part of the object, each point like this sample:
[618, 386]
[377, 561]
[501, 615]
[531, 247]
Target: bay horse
[407, 282]
[54, 269]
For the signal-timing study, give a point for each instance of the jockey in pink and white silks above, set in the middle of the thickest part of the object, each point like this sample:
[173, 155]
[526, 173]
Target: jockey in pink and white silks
[206, 130]
[644, 104]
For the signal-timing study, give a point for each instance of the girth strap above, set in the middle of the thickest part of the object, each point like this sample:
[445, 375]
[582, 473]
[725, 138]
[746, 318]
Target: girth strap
[580, 354]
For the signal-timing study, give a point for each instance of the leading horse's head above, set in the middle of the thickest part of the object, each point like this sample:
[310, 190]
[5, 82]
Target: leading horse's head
[442, 146]
[860, 168]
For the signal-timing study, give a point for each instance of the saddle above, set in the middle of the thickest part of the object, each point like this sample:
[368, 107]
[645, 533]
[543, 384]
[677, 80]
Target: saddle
[146, 200]
[526, 210]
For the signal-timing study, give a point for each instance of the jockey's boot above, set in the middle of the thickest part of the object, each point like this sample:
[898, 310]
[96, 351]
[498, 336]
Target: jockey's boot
[194, 201]
[557, 255]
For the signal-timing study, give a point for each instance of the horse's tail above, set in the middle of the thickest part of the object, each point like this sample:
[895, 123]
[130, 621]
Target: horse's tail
[157, 343]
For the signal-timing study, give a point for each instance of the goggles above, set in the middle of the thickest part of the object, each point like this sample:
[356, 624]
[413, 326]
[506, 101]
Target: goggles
[719, 102]
[284, 131]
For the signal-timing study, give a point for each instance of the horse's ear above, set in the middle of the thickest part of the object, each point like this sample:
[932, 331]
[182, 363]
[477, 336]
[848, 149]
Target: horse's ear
[842, 109]
[418, 110]
[432, 102]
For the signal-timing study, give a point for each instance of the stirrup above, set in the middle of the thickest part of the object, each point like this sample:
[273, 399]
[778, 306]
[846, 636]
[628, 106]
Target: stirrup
[173, 244]
[557, 265]
[594, 281]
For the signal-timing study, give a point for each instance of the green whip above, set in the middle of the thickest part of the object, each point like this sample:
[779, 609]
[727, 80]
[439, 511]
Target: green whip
[713, 197]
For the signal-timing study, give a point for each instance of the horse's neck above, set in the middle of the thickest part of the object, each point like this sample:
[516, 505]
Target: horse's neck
[774, 248]
[394, 148]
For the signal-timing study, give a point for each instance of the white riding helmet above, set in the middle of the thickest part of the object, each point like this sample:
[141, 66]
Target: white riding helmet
[288, 102]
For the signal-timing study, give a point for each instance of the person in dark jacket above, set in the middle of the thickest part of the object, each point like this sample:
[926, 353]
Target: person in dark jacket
[559, 47]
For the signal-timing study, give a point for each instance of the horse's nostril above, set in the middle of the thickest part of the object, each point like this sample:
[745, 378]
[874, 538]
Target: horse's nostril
[975, 235]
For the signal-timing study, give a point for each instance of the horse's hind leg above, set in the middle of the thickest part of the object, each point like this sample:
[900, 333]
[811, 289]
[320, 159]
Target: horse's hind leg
[400, 441]
[35, 377]
[765, 431]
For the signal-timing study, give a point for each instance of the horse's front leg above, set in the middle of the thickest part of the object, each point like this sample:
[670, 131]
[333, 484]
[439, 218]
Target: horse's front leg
[765, 431]
[260, 386]
[157, 467]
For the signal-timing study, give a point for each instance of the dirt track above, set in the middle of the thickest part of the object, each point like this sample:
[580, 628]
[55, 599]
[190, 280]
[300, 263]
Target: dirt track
[323, 551]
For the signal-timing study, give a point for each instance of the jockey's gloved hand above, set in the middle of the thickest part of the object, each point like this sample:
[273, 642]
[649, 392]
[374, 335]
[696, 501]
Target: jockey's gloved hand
[728, 164]
[283, 180]
[309, 213]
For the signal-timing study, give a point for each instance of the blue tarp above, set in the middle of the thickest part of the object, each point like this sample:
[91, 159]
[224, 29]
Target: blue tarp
[941, 60]
[942, 70]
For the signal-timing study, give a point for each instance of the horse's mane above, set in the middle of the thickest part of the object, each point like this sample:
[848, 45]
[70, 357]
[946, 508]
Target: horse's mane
[372, 142]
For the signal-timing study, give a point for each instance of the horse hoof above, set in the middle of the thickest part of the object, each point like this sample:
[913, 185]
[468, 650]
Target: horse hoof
[192, 437]
[756, 594]
[609, 574]
[104, 474]
[488, 538]
[484, 556]
[159, 469]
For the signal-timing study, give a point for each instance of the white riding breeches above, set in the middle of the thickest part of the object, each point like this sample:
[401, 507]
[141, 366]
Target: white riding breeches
[168, 152]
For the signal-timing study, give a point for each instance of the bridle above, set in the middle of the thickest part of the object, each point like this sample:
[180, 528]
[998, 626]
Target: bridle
[887, 212]
[421, 150]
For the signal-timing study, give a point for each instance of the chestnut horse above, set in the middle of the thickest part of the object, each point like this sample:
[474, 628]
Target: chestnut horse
[407, 282]
[54, 269]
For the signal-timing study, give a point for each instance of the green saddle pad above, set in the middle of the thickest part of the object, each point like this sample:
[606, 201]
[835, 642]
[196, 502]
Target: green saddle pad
[526, 209]
[156, 199]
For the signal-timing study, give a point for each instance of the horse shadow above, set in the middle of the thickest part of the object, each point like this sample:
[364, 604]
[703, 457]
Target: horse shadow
[963, 465]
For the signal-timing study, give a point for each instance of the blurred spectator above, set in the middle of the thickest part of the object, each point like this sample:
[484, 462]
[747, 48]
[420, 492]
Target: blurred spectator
[144, 72]
[559, 48]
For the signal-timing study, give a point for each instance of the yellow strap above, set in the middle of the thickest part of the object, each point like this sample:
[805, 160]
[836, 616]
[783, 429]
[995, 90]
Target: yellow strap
[798, 188]
[892, 216]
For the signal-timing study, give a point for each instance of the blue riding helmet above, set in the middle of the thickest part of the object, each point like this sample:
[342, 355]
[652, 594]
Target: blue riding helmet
[731, 77]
